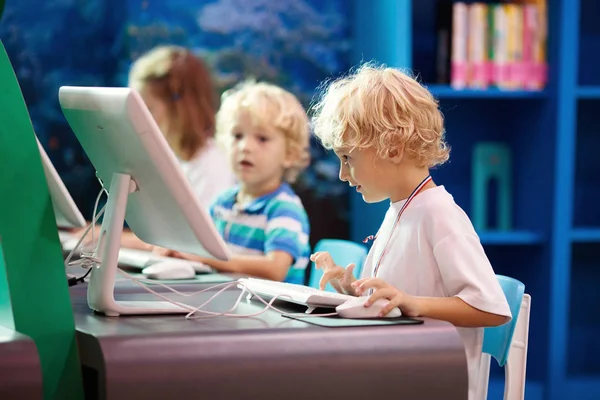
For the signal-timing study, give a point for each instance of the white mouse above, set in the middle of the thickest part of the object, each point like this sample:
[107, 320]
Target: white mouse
[170, 269]
[355, 308]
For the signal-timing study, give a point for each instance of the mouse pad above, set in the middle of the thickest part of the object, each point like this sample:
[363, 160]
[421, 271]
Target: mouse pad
[200, 278]
[337, 322]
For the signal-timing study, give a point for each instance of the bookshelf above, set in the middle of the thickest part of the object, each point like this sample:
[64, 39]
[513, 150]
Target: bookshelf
[554, 137]
[588, 92]
[446, 92]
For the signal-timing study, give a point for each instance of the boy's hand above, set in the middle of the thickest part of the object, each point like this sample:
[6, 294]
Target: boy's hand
[406, 303]
[339, 277]
[163, 252]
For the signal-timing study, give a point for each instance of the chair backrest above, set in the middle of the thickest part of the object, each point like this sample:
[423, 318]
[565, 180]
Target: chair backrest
[497, 339]
[343, 253]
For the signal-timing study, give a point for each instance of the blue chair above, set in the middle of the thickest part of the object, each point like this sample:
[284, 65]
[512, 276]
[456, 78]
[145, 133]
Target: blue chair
[343, 253]
[508, 343]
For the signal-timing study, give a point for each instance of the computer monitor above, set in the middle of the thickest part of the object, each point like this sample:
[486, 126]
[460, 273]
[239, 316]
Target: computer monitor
[146, 188]
[66, 212]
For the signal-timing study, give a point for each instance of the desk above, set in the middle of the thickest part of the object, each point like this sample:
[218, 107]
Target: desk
[266, 357]
[20, 370]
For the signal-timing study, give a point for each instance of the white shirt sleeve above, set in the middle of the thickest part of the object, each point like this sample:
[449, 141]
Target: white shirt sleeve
[466, 273]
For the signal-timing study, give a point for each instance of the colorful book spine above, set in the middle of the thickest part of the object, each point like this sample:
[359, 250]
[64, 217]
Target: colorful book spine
[514, 15]
[539, 47]
[459, 60]
[500, 46]
[529, 30]
[491, 54]
[535, 32]
[478, 77]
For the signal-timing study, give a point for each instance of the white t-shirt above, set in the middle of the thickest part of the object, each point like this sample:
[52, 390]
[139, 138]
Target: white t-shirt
[435, 252]
[208, 172]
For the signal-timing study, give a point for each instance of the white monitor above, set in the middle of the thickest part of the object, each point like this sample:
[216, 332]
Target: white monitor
[66, 212]
[146, 188]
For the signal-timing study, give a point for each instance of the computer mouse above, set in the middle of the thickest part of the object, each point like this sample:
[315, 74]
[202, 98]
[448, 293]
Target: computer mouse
[355, 308]
[170, 269]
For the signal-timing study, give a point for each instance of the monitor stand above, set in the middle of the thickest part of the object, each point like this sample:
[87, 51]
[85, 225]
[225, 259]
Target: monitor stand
[100, 293]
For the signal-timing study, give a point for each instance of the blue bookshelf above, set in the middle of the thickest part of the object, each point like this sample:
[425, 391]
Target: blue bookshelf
[445, 92]
[554, 138]
[581, 372]
[585, 235]
[511, 238]
[588, 92]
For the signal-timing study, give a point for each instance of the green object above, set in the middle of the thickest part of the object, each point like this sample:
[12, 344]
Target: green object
[491, 161]
[2, 3]
[35, 299]
[6, 315]
[336, 322]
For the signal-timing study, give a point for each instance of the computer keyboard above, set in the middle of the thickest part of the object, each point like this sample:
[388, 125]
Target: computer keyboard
[142, 259]
[67, 237]
[132, 257]
[294, 293]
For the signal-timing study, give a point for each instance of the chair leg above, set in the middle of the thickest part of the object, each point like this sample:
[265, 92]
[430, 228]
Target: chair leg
[484, 377]
[507, 379]
[516, 365]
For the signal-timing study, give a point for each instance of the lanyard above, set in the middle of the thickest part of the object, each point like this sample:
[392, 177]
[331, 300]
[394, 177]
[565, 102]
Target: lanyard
[412, 196]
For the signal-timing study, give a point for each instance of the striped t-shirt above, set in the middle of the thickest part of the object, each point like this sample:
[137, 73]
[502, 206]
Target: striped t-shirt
[276, 221]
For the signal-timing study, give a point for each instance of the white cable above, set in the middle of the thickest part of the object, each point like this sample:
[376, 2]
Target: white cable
[89, 259]
[211, 314]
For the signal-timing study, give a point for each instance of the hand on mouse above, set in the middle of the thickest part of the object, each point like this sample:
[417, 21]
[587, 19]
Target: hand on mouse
[382, 290]
[339, 277]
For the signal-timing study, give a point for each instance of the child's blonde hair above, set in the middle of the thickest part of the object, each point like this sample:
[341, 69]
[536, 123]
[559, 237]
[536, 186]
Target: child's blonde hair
[183, 82]
[382, 108]
[268, 106]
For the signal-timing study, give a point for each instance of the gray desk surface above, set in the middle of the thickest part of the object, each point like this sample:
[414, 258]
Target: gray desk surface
[271, 356]
[20, 370]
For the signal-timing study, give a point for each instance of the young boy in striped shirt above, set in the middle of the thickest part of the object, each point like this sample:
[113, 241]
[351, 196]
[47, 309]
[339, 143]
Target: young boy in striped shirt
[265, 131]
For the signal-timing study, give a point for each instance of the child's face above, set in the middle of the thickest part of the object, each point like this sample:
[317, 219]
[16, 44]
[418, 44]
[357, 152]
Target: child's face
[366, 171]
[258, 155]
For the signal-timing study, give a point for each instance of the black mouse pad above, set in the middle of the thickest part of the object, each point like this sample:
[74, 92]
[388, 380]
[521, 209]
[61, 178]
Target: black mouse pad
[337, 322]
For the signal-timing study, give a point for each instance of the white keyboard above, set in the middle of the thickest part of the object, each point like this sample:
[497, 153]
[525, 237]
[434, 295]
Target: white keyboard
[67, 237]
[142, 259]
[293, 293]
[132, 257]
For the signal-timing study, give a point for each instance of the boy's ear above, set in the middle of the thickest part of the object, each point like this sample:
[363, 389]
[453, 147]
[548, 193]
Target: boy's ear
[396, 154]
[287, 163]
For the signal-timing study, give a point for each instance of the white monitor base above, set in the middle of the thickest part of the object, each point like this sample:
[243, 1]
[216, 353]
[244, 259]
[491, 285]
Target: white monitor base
[101, 287]
[143, 308]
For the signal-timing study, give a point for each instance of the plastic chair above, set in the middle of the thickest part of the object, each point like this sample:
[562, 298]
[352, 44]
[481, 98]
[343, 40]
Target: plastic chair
[343, 253]
[508, 343]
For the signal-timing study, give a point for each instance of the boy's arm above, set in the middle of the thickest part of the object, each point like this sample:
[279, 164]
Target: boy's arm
[455, 311]
[451, 309]
[274, 265]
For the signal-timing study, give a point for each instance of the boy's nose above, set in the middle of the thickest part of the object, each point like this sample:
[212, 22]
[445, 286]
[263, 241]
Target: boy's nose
[246, 145]
[343, 174]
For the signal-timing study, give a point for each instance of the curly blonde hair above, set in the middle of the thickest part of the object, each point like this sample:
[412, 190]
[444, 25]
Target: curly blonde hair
[268, 105]
[183, 82]
[383, 108]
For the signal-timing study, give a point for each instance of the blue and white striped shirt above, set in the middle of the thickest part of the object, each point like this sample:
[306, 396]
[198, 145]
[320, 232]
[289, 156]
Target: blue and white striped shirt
[276, 221]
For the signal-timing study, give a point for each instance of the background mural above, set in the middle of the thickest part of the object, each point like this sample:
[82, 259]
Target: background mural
[296, 44]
